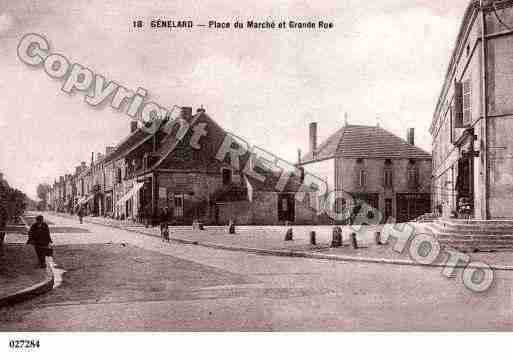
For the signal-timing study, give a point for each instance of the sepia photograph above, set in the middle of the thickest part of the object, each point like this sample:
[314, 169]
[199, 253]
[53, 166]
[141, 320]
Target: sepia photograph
[230, 167]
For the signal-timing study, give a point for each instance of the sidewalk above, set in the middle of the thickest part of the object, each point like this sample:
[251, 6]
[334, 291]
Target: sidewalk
[270, 240]
[20, 277]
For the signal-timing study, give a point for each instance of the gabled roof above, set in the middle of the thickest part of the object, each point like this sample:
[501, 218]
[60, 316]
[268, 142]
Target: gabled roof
[356, 141]
[133, 140]
[209, 146]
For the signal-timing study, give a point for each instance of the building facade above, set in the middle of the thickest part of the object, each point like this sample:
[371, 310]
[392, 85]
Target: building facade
[374, 166]
[473, 119]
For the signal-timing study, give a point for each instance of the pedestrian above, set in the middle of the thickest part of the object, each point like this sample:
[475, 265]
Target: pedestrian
[164, 224]
[80, 214]
[147, 215]
[39, 237]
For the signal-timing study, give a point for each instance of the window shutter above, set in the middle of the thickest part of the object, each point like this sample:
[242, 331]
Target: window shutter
[458, 105]
[467, 103]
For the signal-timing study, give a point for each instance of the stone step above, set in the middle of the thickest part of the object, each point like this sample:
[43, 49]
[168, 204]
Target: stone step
[475, 242]
[477, 222]
[444, 228]
[470, 235]
[481, 248]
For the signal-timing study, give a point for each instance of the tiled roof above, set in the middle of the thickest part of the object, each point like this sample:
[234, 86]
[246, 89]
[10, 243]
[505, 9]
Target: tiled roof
[135, 139]
[356, 141]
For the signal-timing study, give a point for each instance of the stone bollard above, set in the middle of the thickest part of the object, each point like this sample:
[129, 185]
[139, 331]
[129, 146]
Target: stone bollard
[336, 237]
[289, 235]
[377, 238]
[231, 227]
[354, 243]
[313, 241]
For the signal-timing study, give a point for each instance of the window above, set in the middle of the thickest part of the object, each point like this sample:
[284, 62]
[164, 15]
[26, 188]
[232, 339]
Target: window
[340, 205]
[467, 102]
[362, 178]
[227, 176]
[388, 208]
[178, 205]
[462, 109]
[284, 204]
[387, 174]
[412, 175]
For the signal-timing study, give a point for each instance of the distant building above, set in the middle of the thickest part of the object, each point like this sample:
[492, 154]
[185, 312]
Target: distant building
[373, 166]
[473, 120]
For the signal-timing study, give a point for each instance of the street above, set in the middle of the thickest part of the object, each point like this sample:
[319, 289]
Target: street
[118, 280]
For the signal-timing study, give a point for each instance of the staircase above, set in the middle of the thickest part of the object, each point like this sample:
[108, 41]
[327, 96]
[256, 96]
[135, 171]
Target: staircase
[471, 235]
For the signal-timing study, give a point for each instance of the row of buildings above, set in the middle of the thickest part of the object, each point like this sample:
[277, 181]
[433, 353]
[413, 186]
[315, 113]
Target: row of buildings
[188, 166]
[470, 169]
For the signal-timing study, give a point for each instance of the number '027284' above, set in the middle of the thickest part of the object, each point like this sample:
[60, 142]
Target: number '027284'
[24, 344]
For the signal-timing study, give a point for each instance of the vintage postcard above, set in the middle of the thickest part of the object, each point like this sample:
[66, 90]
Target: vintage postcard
[255, 166]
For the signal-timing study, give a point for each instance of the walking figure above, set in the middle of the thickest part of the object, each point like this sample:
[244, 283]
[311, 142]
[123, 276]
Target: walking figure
[164, 225]
[39, 237]
[80, 214]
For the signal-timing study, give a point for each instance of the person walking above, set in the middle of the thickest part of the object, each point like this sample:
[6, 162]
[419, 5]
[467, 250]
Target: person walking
[80, 214]
[147, 215]
[164, 224]
[39, 237]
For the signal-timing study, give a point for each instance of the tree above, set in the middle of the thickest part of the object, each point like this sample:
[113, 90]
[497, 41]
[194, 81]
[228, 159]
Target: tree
[42, 192]
[12, 205]
[4, 215]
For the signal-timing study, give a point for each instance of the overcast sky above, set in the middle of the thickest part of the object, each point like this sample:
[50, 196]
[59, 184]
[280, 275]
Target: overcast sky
[384, 61]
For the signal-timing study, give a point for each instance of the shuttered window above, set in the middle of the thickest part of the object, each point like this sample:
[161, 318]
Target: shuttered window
[462, 108]
[467, 102]
[457, 108]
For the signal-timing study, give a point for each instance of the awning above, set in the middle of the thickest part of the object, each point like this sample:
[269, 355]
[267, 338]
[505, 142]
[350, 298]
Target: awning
[130, 193]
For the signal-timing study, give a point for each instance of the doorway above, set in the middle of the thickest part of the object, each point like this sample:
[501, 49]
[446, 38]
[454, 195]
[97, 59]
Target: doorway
[286, 207]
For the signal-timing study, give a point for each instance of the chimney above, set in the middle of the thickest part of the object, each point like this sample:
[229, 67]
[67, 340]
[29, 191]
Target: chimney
[410, 136]
[298, 156]
[133, 126]
[109, 150]
[200, 110]
[186, 113]
[313, 137]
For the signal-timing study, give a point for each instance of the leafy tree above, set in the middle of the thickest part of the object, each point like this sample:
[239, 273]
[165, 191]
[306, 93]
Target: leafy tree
[4, 214]
[42, 191]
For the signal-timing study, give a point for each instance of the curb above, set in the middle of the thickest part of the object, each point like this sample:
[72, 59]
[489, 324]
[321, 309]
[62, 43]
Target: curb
[301, 254]
[30, 292]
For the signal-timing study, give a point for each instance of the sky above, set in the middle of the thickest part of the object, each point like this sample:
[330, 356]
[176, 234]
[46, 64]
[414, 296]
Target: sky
[382, 62]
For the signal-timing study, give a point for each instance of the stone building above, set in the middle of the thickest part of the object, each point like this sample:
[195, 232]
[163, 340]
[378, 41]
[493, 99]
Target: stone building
[370, 164]
[176, 167]
[473, 119]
